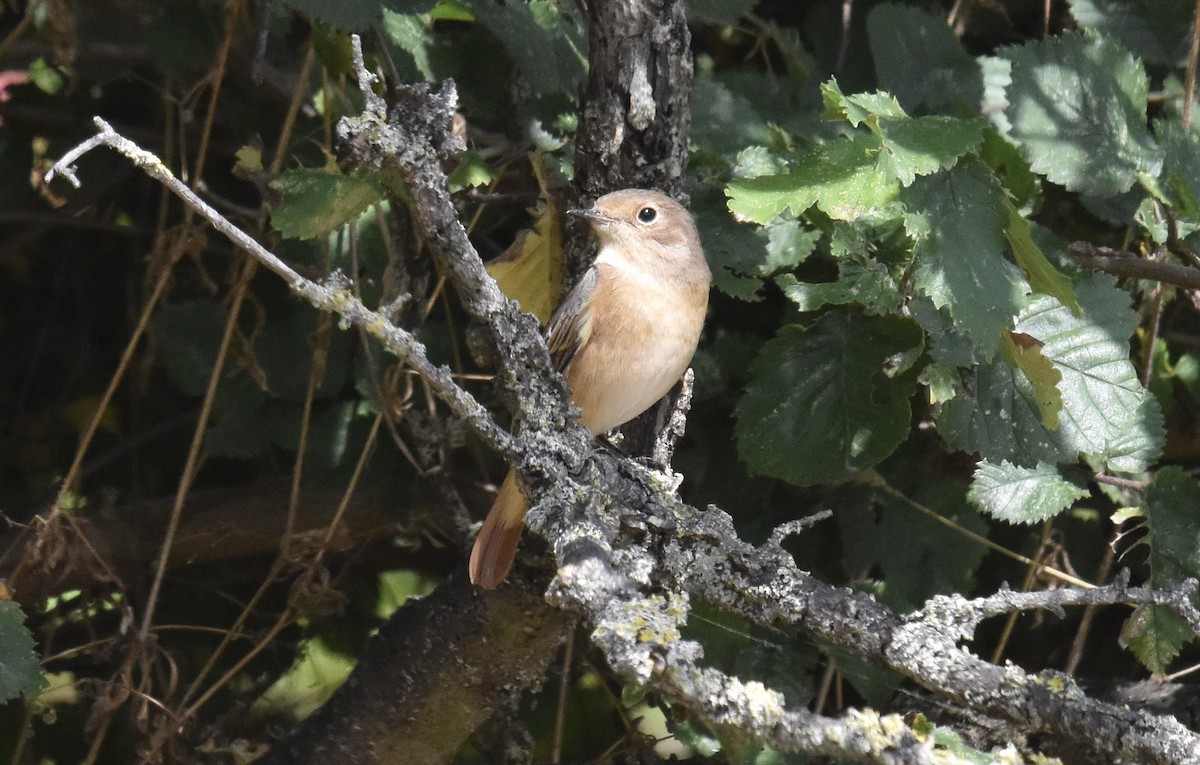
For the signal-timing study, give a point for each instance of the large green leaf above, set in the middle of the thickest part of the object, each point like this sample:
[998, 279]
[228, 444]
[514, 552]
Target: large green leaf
[411, 33]
[842, 177]
[994, 413]
[20, 670]
[825, 401]
[920, 60]
[1025, 353]
[316, 202]
[1077, 105]
[740, 255]
[1173, 527]
[1106, 414]
[1180, 178]
[1155, 634]
[1154, 30]
[1022, 495]
[1042, 275]
[910, 146]
[922, 145]
[957, 220]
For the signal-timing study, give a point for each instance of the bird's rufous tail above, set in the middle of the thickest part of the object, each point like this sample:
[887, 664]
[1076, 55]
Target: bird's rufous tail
[496, 545]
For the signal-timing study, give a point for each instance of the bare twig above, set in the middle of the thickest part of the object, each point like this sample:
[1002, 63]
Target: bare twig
[1110, 261]
[333, 296]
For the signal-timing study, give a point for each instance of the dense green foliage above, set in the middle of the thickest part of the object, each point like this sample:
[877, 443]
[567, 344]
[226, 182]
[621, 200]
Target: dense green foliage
[899, 331]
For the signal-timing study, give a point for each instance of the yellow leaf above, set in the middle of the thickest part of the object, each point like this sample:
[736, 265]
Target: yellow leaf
[1025, 353]
[249, 160]
[531, 270]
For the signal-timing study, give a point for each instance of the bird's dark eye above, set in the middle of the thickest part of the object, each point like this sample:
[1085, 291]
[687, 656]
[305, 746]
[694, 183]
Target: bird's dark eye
[647, 214]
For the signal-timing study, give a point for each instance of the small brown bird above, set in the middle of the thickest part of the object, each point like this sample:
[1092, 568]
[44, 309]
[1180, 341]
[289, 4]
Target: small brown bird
[622, 336]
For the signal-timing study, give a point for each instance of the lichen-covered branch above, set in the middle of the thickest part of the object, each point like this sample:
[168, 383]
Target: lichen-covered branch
[670, 552]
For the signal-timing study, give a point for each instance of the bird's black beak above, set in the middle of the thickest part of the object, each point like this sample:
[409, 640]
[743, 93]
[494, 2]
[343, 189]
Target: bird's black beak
[591, 215]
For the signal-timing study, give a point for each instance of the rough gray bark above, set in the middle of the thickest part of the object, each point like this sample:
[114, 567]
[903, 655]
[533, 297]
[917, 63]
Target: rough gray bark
[633, 132]
[634, 127]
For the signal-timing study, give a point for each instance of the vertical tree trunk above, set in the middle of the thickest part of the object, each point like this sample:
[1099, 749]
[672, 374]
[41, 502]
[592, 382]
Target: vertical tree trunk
[634, 127]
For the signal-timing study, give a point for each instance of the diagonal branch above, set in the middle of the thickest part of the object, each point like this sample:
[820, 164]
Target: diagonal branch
[334, 296]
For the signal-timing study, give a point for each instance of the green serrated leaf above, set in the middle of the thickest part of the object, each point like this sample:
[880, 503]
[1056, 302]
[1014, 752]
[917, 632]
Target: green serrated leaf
[940, 383]
[857, 108]
[450, 10]
[966, 754]
[923, 145]
[1106, 415]
[821, 405]
[1173, 527]
[411, 34]
[842, 177]
[788, 245]
[248, 161]
[1154, 30]
[1155, 635]
[1022, 495]
[1077, 105]
[919, 59]
[1025, 353]
[957, 222]
[695, 734]
[1011, 168]
[993, 413]
[20, 670]
[315, 202]
[472, 172]
[1180, 180]
[1043, 277]
[756, 161]
[948, 346]
[860, 281]
[910, 146]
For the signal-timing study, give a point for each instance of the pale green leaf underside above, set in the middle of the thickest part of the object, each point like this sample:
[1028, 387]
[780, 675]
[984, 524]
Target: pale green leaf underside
[1018, 494]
